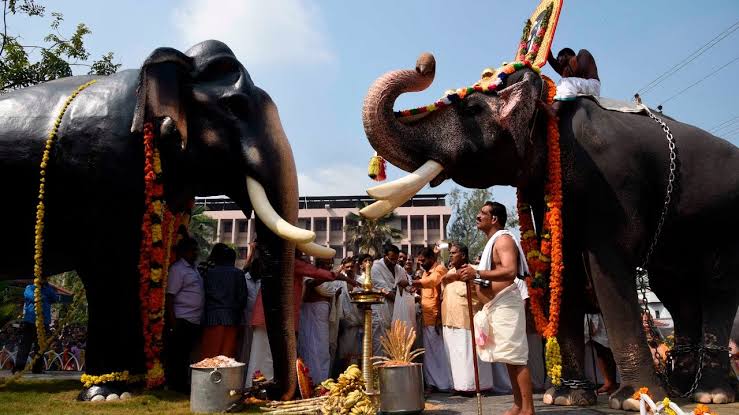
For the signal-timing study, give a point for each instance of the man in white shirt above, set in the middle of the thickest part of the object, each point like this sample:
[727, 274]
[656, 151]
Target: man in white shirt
[385, 272]
[184, 311]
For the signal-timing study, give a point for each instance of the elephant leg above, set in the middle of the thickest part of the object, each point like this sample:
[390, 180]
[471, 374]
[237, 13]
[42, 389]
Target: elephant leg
[114, 336]
[571, 338]
[687, 319]
[719, 303]
[616, 290]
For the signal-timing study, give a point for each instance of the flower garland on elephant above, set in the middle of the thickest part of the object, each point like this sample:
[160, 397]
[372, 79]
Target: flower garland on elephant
[158, 238]
[157, 241]
[38, 249]
[544, 253]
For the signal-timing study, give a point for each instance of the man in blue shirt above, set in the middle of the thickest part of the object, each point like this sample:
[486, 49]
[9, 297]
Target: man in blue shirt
[48, 296]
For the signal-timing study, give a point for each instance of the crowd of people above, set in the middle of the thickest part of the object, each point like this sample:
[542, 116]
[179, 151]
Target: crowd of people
[66, 348]
[217, 309]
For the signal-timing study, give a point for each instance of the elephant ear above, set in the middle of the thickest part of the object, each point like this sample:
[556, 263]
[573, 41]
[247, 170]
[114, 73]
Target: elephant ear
[163, 90]
[517, 108]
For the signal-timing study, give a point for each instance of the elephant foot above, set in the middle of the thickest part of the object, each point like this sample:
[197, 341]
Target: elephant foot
[714, 387]
[565, 396]
[622, 398]
[715, 395]
[105, 392]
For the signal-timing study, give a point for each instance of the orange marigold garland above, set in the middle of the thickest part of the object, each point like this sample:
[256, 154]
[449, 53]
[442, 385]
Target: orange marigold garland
[544, 253]
[158, 235]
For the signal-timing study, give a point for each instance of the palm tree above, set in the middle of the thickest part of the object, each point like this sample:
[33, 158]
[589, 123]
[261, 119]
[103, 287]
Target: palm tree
[367, 236]
[203, 229]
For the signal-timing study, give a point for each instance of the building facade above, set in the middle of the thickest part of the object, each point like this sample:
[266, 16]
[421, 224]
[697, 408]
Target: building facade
[422, 221]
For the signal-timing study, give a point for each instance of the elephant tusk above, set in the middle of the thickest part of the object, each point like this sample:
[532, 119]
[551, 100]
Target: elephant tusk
[383, 207]
[266, 213]
[377, 209]
[412, 182]
[318, 251]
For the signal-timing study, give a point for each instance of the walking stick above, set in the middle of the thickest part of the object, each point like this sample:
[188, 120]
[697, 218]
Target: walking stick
[474, 348]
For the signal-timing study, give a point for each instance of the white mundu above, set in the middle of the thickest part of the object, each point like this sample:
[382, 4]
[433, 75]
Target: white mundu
[500, 327]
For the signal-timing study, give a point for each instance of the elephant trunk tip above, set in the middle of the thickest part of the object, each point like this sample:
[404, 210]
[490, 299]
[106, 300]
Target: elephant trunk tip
[426, 64]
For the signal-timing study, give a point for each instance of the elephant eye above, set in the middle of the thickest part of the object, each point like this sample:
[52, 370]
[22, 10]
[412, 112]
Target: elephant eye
[471, 109]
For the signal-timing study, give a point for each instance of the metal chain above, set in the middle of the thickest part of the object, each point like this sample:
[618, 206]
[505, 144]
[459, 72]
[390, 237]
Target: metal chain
[578, 384]
[670, 187]
[642, 274]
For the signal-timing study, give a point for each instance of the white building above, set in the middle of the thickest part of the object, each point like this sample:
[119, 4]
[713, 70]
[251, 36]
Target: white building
[422, 221]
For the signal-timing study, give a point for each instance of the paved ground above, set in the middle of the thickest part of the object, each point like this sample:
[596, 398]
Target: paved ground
[439, 404]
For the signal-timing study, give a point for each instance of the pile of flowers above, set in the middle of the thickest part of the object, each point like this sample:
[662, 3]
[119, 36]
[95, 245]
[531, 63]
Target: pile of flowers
[544, 251]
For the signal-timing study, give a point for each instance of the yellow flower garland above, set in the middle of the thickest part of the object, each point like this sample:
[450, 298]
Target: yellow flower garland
[666, 407]
[89, 380]
[40, 214]
[553, 360]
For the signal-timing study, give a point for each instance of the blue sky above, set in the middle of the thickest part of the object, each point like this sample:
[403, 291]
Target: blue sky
[317, 59]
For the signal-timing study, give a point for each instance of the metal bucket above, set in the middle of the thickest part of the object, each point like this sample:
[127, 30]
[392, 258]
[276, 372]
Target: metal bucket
[401, 389]
[211, 387]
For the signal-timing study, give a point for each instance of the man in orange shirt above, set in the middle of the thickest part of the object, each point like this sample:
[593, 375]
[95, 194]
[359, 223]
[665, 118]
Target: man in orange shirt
[436, 368]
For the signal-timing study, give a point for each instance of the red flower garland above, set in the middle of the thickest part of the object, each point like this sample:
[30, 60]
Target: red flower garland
[157, 230]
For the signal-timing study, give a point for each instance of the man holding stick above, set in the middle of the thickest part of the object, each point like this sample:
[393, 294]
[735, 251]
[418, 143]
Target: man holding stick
[457, 309]
[501, 324]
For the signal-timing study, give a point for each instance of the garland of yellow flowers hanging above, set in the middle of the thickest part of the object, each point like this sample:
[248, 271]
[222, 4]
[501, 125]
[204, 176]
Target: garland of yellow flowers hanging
[544, 256]
[39, 228]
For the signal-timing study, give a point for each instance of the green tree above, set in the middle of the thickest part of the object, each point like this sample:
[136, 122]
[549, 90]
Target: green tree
[76, 312]
[203, 229]
[24, 64]
[11, 302]
[368, 236]
[465, 207]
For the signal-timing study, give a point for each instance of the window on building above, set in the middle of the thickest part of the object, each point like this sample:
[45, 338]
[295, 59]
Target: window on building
[433, 222]
[319, 225]
[227, 226]
[336, 225]
[656, 313]
[416, 223]
[403, 224]
[415, 249]
[242, 225]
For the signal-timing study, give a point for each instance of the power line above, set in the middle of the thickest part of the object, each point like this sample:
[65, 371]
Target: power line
[700, 80]
[728, 123]
[690, 58]
[730, 133]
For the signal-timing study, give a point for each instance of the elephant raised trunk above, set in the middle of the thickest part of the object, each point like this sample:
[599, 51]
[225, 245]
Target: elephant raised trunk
[383, 129]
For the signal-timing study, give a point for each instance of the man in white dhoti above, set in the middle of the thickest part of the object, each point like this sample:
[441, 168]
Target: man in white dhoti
[579, 77]
[351, 324]
[457, 331]
[597, 338]
[385, 272]
[314, 329]
[500, 327]
[436, 370]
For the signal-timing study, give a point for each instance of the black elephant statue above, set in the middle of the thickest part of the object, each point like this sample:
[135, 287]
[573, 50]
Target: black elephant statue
[219, 134]
[615, 169]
